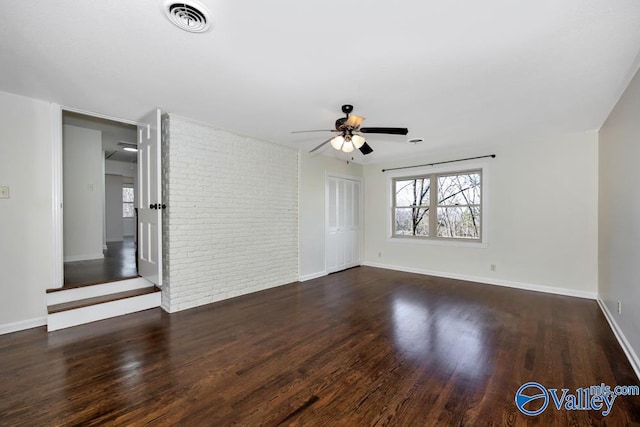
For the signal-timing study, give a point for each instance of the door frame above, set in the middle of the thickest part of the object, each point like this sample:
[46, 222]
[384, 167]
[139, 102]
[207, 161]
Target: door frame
[57, 268]
[360, 180]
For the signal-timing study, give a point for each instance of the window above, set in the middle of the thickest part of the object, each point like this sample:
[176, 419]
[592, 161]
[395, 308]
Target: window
[128, 210]
[438, 206]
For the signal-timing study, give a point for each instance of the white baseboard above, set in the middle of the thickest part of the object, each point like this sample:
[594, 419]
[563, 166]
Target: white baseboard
[622, 339]
[312, 276]
[87, 257]
[7, 328]
[490, 281]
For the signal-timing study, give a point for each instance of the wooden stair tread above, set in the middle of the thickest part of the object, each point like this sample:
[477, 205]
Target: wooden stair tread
[82, 285]
[101, 299]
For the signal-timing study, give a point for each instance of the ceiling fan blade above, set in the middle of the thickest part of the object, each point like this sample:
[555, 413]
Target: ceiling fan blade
[366, 149]
[315, 130]
[354, 121]
[321, 145]
[390, 131]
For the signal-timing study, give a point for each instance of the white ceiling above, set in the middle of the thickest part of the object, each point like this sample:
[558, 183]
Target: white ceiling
[453, 72]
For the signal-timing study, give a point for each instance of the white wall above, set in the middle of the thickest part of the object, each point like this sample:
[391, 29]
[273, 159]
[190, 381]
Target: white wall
[131, 170]
[113, 208]
[129, 227]
[231, 223]
[541, 208]
[619, 217]
[313, 171]
[26, 228]
[83, 193]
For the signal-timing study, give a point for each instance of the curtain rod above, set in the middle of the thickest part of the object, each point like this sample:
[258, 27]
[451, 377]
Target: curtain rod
[493, 156]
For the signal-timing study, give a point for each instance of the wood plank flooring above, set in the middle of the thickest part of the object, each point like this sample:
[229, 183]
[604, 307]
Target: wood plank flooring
[119, 263]
[362, 347]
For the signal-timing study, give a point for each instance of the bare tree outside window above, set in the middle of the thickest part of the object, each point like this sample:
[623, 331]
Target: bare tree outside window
[128, 210]
[412, 207]
[455, 198]
[459, 206]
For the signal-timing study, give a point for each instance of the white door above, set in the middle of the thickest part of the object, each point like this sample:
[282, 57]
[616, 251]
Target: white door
[343, 224]
[150, 199]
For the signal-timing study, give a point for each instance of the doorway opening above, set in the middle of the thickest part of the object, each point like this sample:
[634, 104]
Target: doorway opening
[100, 180]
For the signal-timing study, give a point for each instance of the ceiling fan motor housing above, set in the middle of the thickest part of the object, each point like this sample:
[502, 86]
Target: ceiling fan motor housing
[340, 123]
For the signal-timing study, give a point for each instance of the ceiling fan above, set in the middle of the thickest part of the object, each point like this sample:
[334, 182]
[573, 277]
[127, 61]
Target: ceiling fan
[348, 130]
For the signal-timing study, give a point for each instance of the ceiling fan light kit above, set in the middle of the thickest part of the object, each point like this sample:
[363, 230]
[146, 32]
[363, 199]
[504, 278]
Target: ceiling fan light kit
[337, 142]
[358, 141]
[347, 147]
[348, 139]
[348, 143]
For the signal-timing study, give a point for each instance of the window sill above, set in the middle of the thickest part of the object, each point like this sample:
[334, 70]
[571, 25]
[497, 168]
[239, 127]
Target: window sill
[458, 243]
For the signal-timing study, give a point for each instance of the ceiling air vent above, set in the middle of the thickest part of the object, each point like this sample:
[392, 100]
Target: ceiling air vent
[188, 15]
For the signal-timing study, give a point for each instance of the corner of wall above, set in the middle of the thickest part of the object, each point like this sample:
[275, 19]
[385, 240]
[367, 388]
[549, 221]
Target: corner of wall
[634, 360]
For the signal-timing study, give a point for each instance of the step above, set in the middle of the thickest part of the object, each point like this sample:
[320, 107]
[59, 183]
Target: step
[67, 294]
[72, 313]
[72, 305]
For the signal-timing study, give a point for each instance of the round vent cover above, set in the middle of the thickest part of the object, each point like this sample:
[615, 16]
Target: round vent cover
[188, 15]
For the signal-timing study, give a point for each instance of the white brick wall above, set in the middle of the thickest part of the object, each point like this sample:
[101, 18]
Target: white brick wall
[231, 223]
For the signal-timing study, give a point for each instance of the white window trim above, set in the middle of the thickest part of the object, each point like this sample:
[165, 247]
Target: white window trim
[431, 170]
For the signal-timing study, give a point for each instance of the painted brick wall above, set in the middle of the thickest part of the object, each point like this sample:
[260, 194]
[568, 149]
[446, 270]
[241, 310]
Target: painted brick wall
[231, 223]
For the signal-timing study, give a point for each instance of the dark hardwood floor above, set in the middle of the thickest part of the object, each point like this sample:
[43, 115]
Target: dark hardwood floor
[362, 347]
[119, 263]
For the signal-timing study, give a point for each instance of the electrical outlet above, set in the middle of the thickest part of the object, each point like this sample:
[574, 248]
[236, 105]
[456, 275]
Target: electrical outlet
[4, 192]
[619, 307]
[379, 254]
[90, 187]
[493, 267]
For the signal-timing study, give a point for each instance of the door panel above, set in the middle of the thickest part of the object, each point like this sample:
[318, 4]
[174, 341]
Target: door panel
[149, 199]
[343, 223]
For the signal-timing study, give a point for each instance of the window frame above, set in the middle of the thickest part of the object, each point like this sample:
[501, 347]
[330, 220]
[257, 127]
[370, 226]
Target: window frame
[129, 203]
[433, 175]
[394, 180]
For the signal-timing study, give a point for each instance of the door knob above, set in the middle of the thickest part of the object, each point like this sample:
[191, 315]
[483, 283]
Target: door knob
[153, 206]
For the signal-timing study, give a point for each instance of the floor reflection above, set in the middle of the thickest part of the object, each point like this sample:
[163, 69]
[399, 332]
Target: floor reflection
[119, 262]
[104, 356]
[444, 335]
[460, 345]
[412, 328]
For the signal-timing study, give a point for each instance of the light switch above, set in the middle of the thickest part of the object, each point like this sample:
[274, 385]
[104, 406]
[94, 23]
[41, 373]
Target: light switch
[4, 192]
